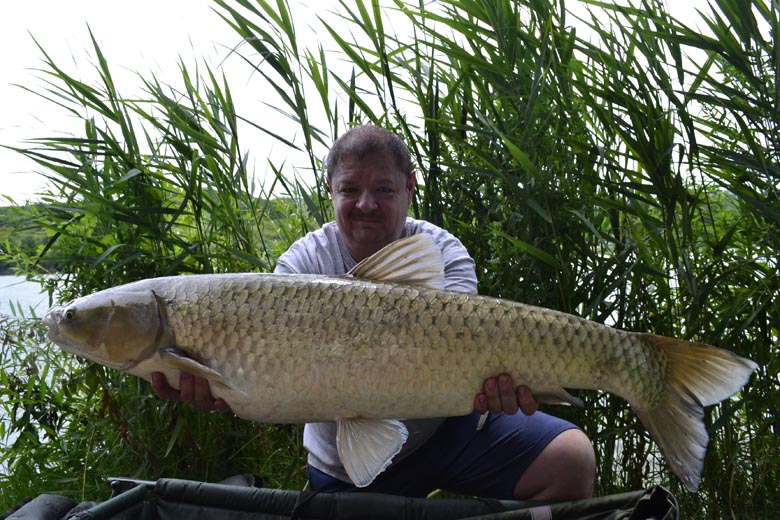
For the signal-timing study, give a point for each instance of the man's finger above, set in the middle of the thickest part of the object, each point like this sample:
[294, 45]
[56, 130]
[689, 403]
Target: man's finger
[221, 406]
[186, 387]
[526, 400]
[480, 404]
[508, 396]
[493, 395]
[202, 393]
[162, 389]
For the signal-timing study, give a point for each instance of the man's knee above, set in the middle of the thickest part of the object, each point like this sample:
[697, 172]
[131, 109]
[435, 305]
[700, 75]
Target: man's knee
[564, 470]
[578, 460]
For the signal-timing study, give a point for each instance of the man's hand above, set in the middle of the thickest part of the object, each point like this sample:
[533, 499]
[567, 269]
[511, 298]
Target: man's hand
[193, 390]
[499, 395]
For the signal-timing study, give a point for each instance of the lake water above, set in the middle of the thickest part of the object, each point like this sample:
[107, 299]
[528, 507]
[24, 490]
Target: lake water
[16, 292]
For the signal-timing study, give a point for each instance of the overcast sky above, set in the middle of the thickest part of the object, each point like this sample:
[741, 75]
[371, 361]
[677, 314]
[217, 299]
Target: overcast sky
[137, 37]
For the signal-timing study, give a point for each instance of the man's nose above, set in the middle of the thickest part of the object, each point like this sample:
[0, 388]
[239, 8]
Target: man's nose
[366, 201]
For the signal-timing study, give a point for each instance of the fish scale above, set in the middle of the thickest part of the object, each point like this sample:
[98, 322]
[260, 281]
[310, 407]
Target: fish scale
[369, 348]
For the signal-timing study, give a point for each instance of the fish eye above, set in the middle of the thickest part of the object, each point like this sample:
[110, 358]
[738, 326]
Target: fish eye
[70, 314]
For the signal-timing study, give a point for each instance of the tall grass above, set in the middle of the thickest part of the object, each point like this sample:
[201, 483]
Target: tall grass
[156, 185]
[606, 175]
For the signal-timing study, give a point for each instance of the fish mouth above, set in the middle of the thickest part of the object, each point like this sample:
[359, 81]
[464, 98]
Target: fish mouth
[51, 320]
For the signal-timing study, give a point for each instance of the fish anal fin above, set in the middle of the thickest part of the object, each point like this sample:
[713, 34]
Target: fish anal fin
[697, 375]
[178, 359]
[557, 396]
[367, 446]
[414, 260]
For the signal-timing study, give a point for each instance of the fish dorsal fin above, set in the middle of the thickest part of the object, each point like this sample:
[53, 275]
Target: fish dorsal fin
[367, 446]
[414, 260]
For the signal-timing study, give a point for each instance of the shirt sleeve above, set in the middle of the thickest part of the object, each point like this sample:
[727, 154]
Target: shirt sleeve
[459, 271]
[459, 268]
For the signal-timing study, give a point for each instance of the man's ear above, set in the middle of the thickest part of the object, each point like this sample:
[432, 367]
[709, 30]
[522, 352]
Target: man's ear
[411, 182]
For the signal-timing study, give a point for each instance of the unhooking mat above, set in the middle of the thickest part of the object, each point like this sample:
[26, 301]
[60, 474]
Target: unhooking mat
[169, 499]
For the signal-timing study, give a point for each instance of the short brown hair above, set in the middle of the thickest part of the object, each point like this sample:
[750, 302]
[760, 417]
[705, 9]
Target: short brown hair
[362, 140]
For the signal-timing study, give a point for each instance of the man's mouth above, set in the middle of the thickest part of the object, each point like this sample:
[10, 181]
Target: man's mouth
[366, 219]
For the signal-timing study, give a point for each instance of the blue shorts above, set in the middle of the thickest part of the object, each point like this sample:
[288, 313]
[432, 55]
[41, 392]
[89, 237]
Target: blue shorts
[461, 459]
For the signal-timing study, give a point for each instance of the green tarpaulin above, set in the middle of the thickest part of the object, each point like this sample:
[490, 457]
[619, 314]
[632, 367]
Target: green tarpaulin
[169, 499]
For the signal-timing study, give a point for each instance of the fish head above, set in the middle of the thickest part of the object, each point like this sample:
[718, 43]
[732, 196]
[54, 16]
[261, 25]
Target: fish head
[116, 328]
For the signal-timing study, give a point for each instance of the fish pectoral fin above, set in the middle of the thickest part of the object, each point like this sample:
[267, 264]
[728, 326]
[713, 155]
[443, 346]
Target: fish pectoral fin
[367, 446]
[414, 260]
[558, 396]
[177, 358]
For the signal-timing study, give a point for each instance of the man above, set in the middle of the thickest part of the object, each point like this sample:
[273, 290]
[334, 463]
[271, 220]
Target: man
[530, 456]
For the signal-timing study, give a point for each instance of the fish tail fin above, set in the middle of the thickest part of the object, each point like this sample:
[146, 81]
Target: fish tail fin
[698, 375]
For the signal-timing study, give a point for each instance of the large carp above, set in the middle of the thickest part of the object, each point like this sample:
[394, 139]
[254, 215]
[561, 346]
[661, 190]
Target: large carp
[386, 342]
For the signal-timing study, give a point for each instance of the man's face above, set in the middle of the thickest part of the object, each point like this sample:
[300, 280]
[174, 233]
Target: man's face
[371, 199]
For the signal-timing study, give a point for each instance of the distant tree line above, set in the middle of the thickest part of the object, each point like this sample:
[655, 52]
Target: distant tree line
[17, 234]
